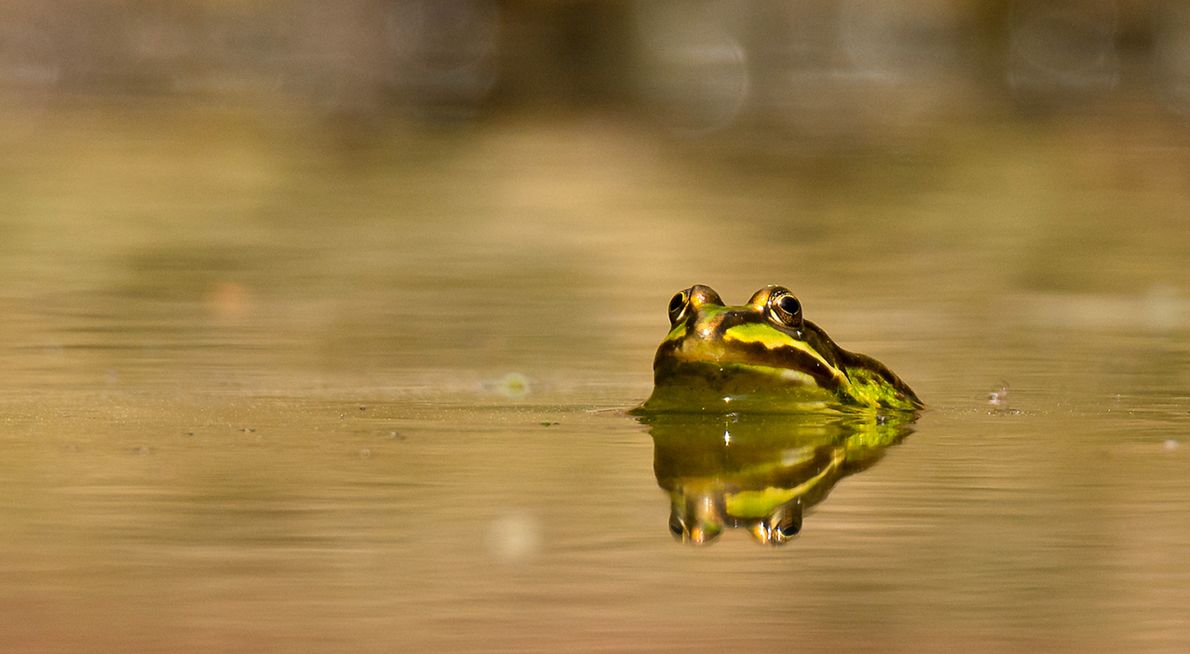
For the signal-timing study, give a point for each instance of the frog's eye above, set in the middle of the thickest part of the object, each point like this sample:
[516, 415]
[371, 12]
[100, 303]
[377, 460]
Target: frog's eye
[677, 306]
[786, 309]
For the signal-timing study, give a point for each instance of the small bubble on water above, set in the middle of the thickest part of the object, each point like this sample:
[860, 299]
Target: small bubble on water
[365, 453]
[1170, 445]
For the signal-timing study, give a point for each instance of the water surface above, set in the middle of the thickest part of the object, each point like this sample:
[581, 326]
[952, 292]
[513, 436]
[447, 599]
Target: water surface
[257, 391]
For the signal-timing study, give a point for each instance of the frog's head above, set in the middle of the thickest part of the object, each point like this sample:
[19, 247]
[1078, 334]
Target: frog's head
[733, 353]
[767, 332]
[760, 356]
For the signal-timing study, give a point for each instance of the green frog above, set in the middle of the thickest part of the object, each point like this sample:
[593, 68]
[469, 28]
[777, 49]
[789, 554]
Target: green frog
[762, 357]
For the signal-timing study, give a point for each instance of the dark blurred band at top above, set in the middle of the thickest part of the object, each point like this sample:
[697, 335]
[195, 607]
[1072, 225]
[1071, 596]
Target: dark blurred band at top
[693, 67]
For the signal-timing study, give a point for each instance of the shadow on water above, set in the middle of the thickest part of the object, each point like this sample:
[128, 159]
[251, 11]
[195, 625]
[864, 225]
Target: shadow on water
[761, 473]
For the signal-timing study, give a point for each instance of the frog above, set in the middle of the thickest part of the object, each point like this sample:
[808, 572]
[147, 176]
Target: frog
[763, 356]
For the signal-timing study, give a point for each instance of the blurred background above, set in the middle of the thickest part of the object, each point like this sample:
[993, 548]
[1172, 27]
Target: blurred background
[320, 170]
[795, 67]
[696, 67]
[318, 319]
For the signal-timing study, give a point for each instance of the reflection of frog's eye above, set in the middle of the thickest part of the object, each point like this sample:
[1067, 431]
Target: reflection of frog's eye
[790, 524]
[786, 309]
[785, 523]
[677, 306]
[676, 527]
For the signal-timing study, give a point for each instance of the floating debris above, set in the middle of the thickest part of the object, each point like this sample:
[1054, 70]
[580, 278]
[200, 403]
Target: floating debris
[999, 395]
[514, 386]
[1170, 445]
[998, 400]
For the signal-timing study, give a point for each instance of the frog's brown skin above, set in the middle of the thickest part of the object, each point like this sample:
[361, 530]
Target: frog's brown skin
[762, 356]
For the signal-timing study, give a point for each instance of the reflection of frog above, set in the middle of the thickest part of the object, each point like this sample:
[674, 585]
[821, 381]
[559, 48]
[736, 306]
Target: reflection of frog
[759, 472]
[762, 357]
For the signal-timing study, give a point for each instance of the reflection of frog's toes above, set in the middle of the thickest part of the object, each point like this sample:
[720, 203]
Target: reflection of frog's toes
[780, 526]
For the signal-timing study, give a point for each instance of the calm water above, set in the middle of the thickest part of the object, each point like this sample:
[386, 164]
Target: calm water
[265, 390]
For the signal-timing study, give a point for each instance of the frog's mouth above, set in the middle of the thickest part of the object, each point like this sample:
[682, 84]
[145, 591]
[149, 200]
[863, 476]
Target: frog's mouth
[739, 376]
[742, 364]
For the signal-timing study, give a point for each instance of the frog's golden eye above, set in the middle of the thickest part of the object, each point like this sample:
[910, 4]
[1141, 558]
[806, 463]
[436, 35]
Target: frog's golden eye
[786, 309]
[677, 306]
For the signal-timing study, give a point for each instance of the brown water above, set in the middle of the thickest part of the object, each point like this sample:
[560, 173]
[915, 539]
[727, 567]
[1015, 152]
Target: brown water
[256, 389]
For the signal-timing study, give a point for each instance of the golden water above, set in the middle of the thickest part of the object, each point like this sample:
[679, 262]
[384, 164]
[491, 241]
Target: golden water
[269, 386]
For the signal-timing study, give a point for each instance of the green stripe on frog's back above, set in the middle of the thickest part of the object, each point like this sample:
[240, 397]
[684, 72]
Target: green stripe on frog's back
[853, 376]
[777, 342]
[875, 385]
[770, 345]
